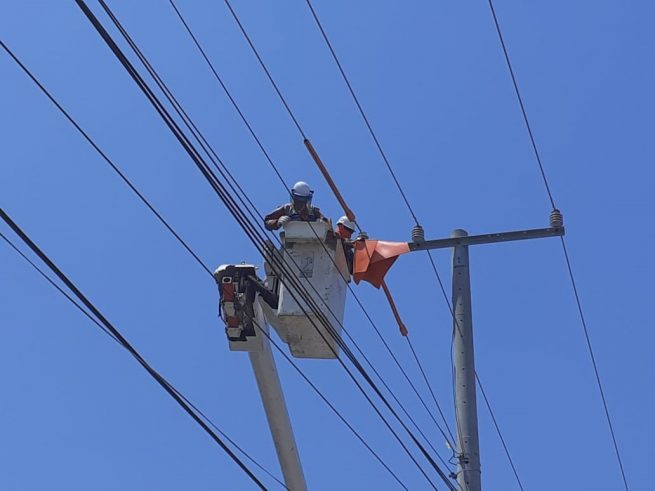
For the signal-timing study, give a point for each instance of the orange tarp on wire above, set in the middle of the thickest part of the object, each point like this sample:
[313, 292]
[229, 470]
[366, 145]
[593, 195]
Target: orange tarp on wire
[373, 258]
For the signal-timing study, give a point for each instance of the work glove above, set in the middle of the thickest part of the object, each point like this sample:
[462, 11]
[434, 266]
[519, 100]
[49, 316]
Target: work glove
[282, 221]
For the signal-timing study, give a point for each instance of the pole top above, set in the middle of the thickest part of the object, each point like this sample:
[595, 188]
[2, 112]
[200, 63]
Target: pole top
[458, 232]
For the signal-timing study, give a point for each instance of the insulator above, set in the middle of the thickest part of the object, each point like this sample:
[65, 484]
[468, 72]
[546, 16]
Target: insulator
[556, 219]
[418, 235]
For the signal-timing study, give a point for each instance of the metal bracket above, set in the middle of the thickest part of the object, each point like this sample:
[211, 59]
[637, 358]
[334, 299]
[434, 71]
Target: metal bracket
[537, 233]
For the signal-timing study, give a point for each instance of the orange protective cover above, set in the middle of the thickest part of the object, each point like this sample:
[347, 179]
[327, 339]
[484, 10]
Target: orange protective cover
[373, 258]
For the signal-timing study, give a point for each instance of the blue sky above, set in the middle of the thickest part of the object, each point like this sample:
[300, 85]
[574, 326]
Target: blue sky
[78, 413]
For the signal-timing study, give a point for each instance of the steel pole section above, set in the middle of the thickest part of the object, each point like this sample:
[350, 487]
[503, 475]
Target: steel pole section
[268, 381]
[468, 446]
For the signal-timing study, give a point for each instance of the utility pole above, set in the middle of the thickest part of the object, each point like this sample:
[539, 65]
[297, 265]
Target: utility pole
[247, 330]
[468, 446]
[268, 381]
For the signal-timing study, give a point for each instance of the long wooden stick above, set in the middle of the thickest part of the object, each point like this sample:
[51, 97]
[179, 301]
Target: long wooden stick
[351, 216]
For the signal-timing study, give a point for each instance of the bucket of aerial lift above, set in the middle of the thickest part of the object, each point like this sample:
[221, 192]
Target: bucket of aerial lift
[314, 256]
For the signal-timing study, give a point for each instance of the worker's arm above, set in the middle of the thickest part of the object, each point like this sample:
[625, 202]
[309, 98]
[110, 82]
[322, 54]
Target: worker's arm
[270, 220]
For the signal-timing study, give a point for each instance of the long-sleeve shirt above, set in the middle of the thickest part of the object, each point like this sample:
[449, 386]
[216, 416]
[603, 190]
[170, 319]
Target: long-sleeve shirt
[308, 214]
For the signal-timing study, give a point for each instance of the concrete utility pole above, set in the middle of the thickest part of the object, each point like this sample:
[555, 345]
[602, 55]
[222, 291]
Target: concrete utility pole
[268, 381]
[468, 447]
[247, 330]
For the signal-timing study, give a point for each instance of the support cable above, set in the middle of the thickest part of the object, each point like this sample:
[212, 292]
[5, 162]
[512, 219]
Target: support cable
[248, 228]
[203, 265]
[112, 331]
[275, 168]
[566, 255]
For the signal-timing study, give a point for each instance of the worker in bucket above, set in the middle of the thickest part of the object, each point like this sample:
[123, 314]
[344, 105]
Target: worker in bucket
[299, 209]
[345, 230]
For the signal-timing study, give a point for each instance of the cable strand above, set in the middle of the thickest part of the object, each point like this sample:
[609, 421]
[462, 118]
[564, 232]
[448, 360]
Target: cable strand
[566, 255]
[119, 337]
[363, 114]
[593, 362]
[248, 228]
[258, 141]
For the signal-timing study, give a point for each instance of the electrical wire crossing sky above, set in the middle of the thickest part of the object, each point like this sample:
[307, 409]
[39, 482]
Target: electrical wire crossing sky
[144, 142]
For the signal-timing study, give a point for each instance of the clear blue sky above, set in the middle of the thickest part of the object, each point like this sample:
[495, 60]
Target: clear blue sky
[78, 413]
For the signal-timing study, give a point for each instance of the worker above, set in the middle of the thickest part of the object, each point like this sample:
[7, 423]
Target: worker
[299, 209]
[345, 230]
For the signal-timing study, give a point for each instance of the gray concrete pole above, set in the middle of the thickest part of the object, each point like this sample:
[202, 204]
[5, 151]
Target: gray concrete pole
[270, 389]
[468, 446]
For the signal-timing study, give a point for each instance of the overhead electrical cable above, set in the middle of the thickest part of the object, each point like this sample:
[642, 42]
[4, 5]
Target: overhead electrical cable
[301, 131]
[275, 168]
[286, 105]
[216, 161]
[97, 323]
[102, 154]
[329, 404]
[259, 243]
[227, 92]
[563, 242]
[388, 164]
[105, 158]
[210, 151]
[363, 114]
[110, 329]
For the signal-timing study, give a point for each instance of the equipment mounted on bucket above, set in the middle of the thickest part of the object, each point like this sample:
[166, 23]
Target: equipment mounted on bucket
[312, 263]
[238, 287]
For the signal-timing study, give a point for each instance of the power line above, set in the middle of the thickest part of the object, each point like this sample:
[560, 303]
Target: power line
[593, 362]
[227, 92]
[95, 321]
[174, 233]
[286, 105]
[216, 161]
[564, 249]
[409, 207]
[275, 168]
[105, 158]
[434, 398]
[258, 241]
[112, 331]
[320, 394]
[500, 435]
[162, 85]
[363, 114]
[520, 100]
[268, 74]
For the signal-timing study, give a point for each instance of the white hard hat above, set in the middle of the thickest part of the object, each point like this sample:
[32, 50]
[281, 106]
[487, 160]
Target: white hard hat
[301, 190]
[346, 223]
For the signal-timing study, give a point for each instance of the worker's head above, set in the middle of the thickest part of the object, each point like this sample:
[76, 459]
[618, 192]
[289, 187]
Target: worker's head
[301, 195]
[345, 227]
